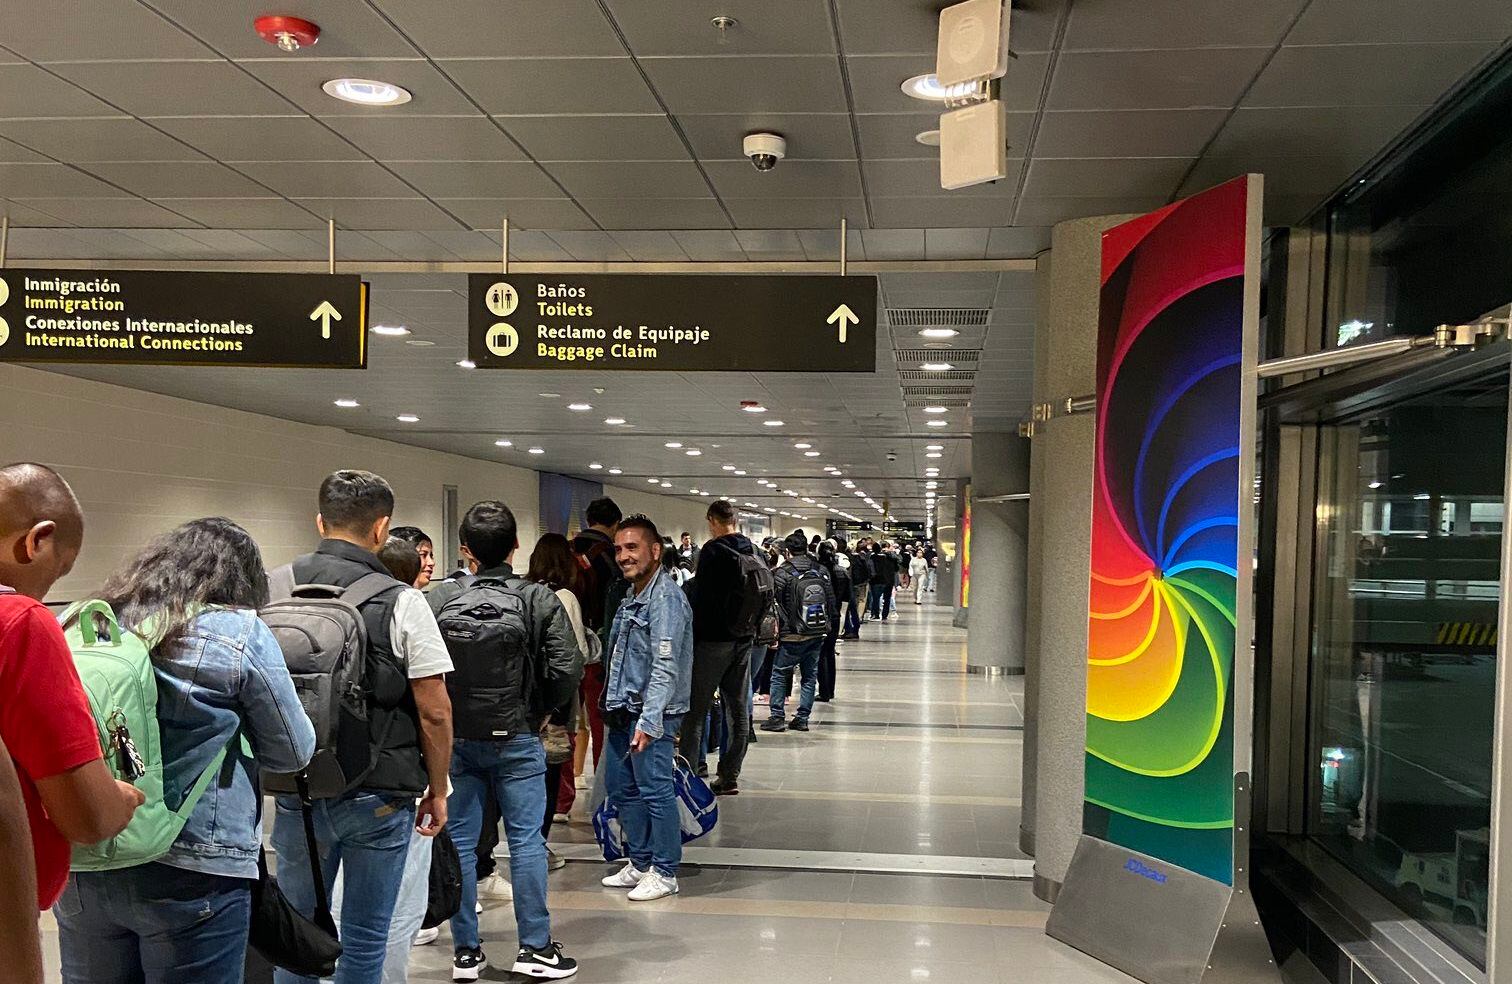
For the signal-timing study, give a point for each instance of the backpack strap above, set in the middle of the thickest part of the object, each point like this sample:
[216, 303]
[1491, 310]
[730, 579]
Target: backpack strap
[281, 583]
[366, 588]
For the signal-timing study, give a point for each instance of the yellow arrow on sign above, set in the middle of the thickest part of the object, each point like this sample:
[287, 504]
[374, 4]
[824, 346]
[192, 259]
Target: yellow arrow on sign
[325, 314]
[846, 317]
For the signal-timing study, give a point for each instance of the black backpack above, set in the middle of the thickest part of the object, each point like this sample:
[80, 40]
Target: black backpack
[488, 629]
[808, 604]
[757, 593]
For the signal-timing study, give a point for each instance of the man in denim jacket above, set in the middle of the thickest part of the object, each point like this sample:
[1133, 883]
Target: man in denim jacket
[650, 656]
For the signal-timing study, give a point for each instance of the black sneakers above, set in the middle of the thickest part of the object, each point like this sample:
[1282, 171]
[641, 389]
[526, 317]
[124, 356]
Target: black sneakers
[468, 964]
[724, 787]
[777, 725]
[549, 963]
[798, 724]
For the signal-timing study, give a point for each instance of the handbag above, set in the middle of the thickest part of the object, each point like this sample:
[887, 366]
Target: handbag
[697, 812]
[444, 899]
[285, 937]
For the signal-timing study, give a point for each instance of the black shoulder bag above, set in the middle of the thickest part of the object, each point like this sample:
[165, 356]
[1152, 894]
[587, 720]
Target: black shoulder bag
[283, 936]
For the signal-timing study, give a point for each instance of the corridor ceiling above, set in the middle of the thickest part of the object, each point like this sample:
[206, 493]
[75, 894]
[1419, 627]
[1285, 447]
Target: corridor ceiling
[166, 131]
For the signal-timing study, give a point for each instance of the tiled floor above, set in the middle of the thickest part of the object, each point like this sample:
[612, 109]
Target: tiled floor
[914, 758]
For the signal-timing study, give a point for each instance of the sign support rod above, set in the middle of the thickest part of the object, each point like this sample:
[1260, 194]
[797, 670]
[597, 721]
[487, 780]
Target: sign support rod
[330, 245]
[4, 236]
[843, 238]
[504, 245]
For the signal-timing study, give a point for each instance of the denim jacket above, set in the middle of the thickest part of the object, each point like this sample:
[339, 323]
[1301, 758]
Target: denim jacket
[226, 672]
[651, 655]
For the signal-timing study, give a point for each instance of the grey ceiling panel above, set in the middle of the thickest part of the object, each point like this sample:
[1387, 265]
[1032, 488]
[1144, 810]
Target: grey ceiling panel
[381, 213]
[771, 27]
[1135, 24]
[888, 136]
[657, 213]
[264, 138]
[14, 153]
[1104, 177]
[893, 244]
[748, 85]
[82, 141]
[591, 246]
[300, 81]
[1049, 211]
[597, 138]
[26, 215]
[770, 244]
[469, 246]
[897, 179]
[1364, 75]
[955, 244]
[179, 179]
[327, 179]
[634, 179]
[295, 245]
[28, 91]
[349, 28]
[798, 213]
[428, 138]
[1192, 79]
[904, 27]
[1387, 21]
[903, 283]
[1360, 131]
[1316, 176]
[540, 86]
[52, 181]
[109, 24]
[650, 246]
[1127, 133]
[790, 179]
[243, 213]
[39, 244]
[208, 88]
[876, 80]
[524, 213]
[809, 136]
[1023, 240]
[501, 180]
[499, 28]
[109, 213]
[710, 245]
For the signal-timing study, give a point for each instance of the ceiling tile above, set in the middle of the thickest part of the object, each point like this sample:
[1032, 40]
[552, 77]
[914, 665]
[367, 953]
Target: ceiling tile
[83, 30]
[591, 246]
[1189, 79]
[632, 179]
[349, 28]
[809, 136]
[39, 244]
[939, 211]
[179, 180]
[14, 153]
[52, 181]
[504, 28]
[778, 84]
[108, 213]
[468, 246]
[1316, 176]
[1364, 74]
[770, 244]
[709, 246]
[243, 213]
[657, 213]
[428, 138]
[261, 138]
[1090, 177]
[796, 213]
[597, 138]
[898, 179]
[80, 141]
[486, 214]
[1300, 132]
[1386, 21]
[1049, 211]
[876, 81]
[891, 136]
[299, 81]
[183, 88]
[955, 244]
[790, 179]
[28, 91]
[554, 86]
[1127, 133]
[650, 246]
[771, 27]
[1136, 24]
[380, 213]
[327, 179]
[24, 215]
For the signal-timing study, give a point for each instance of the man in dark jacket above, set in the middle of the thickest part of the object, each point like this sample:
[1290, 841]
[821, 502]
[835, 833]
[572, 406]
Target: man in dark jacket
[884, 577]
[721, 654]
[860, 574]
[802, 630]
[603, 587]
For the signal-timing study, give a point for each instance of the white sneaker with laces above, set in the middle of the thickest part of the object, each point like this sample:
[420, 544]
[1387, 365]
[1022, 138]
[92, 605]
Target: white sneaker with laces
[495, 887]
[653, 886]
[627, 877]
[425, 937]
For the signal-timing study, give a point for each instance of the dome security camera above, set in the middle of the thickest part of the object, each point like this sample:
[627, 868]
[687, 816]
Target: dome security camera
[765, 150]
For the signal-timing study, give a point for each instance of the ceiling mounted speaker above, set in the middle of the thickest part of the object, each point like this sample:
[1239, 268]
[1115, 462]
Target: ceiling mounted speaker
[973, 146]
[973, 42]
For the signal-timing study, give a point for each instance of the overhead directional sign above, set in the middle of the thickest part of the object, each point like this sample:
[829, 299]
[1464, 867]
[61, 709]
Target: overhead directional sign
[200, 319]
[678, 323]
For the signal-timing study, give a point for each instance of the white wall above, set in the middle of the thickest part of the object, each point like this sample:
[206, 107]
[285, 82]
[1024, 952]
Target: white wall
[672, 515]
[143, 463]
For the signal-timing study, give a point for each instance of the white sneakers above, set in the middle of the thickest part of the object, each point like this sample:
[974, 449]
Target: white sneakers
[425, 937]
[627, 877]
[495, 887]
[653, 885]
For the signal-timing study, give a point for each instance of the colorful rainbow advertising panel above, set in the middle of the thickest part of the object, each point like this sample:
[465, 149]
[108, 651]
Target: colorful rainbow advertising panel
[1166, 544]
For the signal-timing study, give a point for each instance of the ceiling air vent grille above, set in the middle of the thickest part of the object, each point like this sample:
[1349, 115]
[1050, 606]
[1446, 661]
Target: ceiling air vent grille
[920, 401]
[953, 356]
[919, 375]
[922, 392]
[937, 317]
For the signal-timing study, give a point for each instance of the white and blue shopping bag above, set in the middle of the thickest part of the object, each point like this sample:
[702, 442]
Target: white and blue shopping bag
[696, 807]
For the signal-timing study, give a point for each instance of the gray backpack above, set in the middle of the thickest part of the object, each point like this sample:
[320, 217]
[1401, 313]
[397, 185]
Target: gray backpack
[324, 643]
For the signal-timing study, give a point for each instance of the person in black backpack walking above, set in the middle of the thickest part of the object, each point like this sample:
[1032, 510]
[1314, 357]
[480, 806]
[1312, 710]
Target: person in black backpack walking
[728, 603]
[806, 610]
[517, 660]
[840, 579]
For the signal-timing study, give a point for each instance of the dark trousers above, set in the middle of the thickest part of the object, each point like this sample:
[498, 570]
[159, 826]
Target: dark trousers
[553, 786]
[853, 607]
[827, 668]
[592, 690]
[761, 680]
[881, 600]
[725, 667]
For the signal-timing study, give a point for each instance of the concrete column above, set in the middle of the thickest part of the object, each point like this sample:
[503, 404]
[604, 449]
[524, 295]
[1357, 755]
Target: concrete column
[1062, 507]
[999, 554]
[1042, 343]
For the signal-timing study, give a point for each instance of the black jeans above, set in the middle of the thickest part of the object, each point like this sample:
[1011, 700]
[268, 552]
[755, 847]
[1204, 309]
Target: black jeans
[726, 667]
[881, 600]
[827, 668]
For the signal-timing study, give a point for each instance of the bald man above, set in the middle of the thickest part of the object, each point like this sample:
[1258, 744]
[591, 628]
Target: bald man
[45, 723]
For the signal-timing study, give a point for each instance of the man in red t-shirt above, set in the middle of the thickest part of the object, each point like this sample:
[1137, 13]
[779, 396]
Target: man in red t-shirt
[45, 722]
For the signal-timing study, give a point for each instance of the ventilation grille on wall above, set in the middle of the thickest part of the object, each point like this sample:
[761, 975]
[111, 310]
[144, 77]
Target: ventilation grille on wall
[919, 375]
[953, 356]
[921, 392]
[937, 317]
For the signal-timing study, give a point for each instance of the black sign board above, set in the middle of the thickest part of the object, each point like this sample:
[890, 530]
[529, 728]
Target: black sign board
[681, 323]
[187, 319]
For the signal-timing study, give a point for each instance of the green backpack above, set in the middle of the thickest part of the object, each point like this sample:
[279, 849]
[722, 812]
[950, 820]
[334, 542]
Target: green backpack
[116, 671]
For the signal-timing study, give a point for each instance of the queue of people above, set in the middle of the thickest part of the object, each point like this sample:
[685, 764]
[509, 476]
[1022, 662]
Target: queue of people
[380, 707]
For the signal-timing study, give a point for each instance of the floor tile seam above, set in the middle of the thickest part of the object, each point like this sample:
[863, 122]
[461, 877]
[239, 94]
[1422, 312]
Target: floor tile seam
[881, 797]
[860, 912]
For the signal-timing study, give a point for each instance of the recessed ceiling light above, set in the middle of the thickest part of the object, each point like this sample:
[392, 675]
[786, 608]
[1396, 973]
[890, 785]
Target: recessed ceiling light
[937, 423]
[616, 471]
[929, 495]
[752, 407]
[934, 454]
[931, 485]
[803, 445]
[936, 410]
[808, 500]
[773, 423]
[348, 404]
[811, 454]
[705, 494]
[666, 485]
[936, 366]
[420, 342]
[739, 472]
[390, 331]
[503, 444]
[549, 396]
[929, 89]
[674, 445]
[929, 138]
[938, 332]
[728, 467]
[537, 450]
[614, 421]
[693, 452]
[934, 447]
[595, 465]
[408, 418]
[768, 509]
[367, 92]
[467, 364]
[653, 481]
[694, 492]
[580, 407]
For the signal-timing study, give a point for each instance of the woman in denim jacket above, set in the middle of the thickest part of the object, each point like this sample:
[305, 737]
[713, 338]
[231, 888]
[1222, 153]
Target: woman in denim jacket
[193, 594]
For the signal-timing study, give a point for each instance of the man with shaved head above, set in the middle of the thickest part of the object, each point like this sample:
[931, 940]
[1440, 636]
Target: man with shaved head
[45, 722]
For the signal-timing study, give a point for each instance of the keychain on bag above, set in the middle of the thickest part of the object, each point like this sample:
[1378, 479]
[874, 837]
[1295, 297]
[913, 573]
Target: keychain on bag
[128, 761]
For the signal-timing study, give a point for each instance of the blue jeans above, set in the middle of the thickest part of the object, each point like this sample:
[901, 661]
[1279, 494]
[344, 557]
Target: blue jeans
[805, 656]
[153, 924]
[641, 788]
[853, 610]
[515, 770]
[409, 908]
[365, 836]
[881, 600]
